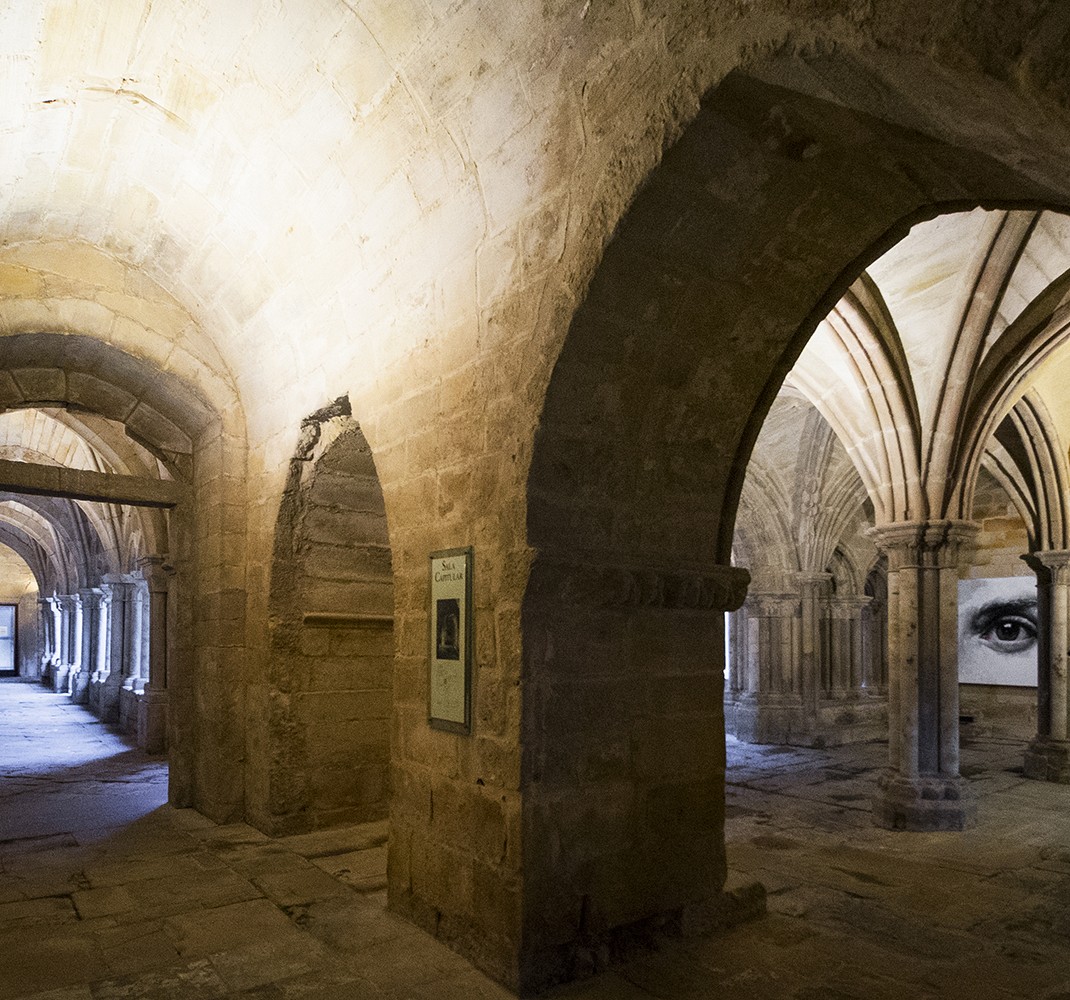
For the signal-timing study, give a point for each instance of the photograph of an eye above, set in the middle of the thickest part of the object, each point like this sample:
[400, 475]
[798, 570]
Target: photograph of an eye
[998, 631]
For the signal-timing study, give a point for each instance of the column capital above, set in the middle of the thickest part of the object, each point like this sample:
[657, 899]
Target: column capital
[1056, 562]
[942, 543]
[91, 596]
[807, 577]
[846, 605]
[767, 603]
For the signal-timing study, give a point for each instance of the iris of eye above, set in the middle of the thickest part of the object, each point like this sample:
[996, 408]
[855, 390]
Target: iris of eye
[1010, 635]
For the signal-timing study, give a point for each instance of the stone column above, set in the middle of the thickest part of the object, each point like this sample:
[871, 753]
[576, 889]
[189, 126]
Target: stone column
[119, 591]
[770, 707]
[101, 662]
[813, 597]
[63, 623]
[152, 709]
[48, 639]
[735, 682]
[922, 788]
[1048, 755]
[848, 666]
[134, 635]
[71, 641]
[80, 677]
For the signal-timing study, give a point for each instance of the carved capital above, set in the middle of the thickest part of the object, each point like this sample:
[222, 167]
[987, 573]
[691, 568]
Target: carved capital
[848, 606]
[1053, 565]
[929, 544]
[771, 605]
[69, 602]
[91, 597]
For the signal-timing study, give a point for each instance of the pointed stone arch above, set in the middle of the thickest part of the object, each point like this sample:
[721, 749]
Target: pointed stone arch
[712, 285]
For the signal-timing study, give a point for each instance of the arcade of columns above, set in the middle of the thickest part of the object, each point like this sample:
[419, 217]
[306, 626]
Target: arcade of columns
[829, 515]
[106, 647]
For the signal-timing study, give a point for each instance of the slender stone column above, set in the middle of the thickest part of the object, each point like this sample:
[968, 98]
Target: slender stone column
[120, 592]
[132, 683]
[71, 608]
[135, 630]
[80, 677]
[48, 639]
[922, 788]
[1048, 755]
[146, 629]
[813, 596]
[152, 709]
[100, 663]
[63, 629]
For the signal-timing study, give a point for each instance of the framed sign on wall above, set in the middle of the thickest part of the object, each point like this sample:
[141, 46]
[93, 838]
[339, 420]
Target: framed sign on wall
[450, 699]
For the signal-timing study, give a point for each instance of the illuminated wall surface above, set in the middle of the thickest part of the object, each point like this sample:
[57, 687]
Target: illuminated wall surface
[998, 631]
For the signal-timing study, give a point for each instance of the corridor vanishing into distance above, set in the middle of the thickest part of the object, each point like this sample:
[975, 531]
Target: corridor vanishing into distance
[107, 892]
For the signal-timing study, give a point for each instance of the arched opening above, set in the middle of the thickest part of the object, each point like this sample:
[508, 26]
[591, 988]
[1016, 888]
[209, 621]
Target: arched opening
[120, 479]
[332, 639]
[709, 291]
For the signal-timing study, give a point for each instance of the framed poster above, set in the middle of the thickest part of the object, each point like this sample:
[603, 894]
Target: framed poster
[450, 697]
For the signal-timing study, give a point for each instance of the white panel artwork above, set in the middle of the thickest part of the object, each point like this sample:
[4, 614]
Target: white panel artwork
[998, 631]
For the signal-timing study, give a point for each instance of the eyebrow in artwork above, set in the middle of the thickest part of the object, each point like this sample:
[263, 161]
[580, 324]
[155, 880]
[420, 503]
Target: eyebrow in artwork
[991, 611]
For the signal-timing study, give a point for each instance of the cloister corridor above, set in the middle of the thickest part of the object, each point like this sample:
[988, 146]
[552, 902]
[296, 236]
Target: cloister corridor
[107, 892]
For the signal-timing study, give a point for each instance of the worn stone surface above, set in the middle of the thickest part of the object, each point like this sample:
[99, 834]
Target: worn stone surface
[166, 904]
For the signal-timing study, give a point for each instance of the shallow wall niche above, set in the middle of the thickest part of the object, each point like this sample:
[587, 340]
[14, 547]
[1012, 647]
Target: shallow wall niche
[331, 636]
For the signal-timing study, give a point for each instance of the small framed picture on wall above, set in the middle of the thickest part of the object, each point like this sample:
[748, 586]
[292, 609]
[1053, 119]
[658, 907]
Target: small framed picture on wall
[450, 697]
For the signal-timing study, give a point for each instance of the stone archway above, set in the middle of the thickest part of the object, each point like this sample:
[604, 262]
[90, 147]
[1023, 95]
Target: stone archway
[742, 240]
[192, 433]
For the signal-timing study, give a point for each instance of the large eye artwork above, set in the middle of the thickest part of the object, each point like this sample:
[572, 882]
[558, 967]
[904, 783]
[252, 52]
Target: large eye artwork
[998, 631]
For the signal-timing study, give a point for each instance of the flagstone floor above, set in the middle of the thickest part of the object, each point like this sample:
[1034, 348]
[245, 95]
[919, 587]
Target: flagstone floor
[107, 893]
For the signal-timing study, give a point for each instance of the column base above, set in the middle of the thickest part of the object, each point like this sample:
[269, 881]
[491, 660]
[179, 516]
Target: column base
[927, 802]
[59, 677]
[152, 721]
[766, 719]
[79, 686]
[1048, 760]
[93, 695]
[108, 702]
[786, 721]
[128, 710]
